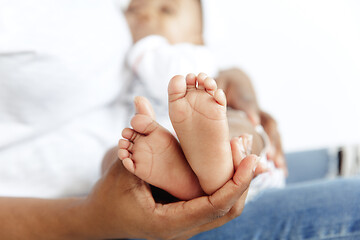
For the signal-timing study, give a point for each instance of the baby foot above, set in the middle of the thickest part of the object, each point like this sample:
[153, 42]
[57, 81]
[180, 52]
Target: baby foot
[153, 154]
[197, 111]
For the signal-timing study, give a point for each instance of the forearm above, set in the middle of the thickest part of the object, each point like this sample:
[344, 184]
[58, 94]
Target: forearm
[28, 218]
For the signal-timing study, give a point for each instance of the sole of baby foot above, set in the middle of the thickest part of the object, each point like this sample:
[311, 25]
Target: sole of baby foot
[197, 111]
[152, 153]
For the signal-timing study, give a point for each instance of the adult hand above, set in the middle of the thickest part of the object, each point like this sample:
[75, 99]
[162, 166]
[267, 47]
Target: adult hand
[276, 153]
[122, 206]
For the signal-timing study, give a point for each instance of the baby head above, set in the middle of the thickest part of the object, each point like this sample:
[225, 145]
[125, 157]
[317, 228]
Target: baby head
[176, 20]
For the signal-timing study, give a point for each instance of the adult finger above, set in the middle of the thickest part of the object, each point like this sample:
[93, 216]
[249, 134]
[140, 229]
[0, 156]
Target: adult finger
[234, 212]
[228, 195]
[200, 211]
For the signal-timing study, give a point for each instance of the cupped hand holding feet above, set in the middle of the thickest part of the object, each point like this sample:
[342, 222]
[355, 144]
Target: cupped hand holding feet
[127, 199]
[197, 111]
[121, 206]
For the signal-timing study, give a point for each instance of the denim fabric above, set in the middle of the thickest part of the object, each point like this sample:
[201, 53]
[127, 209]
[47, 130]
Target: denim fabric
[318, 210]
[312, 165]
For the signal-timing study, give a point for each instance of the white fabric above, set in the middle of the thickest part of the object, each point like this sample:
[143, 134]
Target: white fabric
[273, 178]
[153, 62]
[60, 65]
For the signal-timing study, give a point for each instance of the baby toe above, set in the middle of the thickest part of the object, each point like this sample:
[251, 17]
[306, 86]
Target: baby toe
[200, 81]
[220, 97]
[129, 134]
[129, 165]
[177, 88]
[123, 154]
[190, 81]
[143, 124]
[210, 85]
[124, 144]
[143, 106]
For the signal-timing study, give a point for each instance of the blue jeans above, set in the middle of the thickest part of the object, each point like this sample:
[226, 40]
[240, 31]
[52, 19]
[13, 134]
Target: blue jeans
[328, 209]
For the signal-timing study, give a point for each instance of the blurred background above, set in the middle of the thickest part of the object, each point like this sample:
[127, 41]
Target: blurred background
[304, 59]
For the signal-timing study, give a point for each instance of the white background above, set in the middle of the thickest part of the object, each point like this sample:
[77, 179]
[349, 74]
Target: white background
[304, 59]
